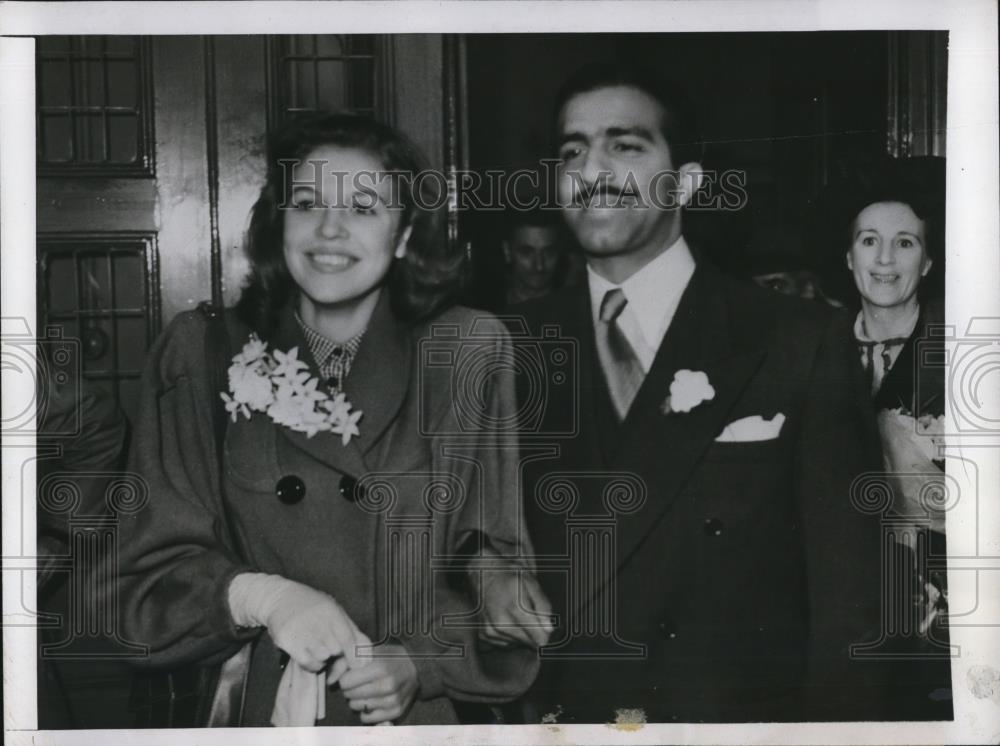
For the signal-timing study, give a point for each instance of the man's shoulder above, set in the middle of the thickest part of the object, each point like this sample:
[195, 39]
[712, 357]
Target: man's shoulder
[781, 315]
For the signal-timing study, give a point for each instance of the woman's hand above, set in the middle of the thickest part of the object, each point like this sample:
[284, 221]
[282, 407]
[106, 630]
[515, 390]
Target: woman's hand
[311, 627]
[307, 624]
[384, 688]
[515, 610]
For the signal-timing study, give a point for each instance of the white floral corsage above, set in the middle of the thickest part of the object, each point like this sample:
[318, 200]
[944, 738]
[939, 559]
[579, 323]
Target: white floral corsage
[688, 389]
[278, 383]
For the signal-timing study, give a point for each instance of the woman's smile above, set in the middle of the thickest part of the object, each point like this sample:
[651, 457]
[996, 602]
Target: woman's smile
[883, 278]
[334, 262]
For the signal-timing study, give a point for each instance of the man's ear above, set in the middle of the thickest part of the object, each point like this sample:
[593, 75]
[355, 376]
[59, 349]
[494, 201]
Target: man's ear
[404, 239]
[691, 176]
[506, 250]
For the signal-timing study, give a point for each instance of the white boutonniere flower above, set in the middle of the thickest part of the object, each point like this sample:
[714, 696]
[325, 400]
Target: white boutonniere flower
[279, 385]
[688, 389]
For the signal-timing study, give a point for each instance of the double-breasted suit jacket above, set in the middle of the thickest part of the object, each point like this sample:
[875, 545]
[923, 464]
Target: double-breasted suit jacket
[375, 523]
[738, 574]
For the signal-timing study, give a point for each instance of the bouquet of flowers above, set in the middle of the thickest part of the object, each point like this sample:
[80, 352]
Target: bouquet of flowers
[278, 383]
[912, 448]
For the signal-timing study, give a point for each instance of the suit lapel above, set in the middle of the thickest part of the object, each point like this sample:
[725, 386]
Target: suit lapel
[665, 448]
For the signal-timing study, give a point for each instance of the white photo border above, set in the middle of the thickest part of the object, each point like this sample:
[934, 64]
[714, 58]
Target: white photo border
[972, 292]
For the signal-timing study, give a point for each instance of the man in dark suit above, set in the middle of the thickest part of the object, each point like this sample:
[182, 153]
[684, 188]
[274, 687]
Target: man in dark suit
[693, 520]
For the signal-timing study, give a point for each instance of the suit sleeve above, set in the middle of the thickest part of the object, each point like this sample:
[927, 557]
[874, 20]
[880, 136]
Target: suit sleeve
[838, 443]
[175, 561]
[451, 661]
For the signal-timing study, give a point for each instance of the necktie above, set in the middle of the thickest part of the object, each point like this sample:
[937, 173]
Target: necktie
[621, 367]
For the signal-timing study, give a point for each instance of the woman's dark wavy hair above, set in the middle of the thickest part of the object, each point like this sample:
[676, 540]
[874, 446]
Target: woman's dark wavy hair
[422, 282]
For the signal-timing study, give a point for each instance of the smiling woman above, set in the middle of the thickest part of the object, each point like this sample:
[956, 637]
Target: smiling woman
[286, 538]
[889, 258]
[895, 235]
[337, 203]
[894, 231]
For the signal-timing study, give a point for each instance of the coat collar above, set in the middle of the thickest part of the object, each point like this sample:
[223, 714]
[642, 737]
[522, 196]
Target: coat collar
[376, 386]
[915, 382]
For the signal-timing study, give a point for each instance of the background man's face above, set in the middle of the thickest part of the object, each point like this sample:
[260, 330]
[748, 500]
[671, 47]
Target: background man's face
[533, 253]
[612, 138]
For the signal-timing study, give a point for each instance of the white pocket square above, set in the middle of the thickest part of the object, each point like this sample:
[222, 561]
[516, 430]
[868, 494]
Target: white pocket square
[753, 428]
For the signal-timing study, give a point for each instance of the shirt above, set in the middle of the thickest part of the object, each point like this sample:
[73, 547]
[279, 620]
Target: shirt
[333, 358]
[653, 294]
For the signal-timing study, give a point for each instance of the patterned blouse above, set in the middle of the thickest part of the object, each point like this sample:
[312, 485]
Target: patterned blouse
[877, 357]
[334, 359]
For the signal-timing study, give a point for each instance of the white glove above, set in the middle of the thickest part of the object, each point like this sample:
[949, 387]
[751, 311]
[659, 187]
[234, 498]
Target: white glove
[307, 624]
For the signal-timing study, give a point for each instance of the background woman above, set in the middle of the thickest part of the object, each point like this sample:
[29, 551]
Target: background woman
[333, 466]
[895, 244]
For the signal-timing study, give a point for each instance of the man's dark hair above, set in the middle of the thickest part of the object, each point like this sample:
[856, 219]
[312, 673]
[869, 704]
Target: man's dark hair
[420, 283]
[679, 124]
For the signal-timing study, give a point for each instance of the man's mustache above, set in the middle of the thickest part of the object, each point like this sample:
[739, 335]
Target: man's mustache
[600, 194]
